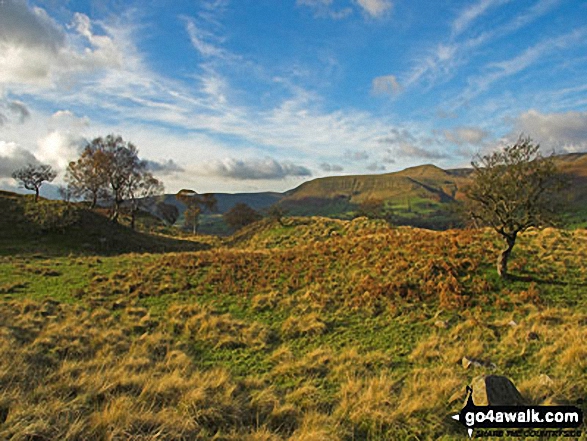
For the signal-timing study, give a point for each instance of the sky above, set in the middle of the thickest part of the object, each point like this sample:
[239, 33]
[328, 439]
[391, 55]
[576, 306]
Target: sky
[262, 95]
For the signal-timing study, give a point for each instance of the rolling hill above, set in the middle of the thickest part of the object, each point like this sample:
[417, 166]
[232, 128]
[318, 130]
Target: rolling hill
[89, 232]
[422, 196]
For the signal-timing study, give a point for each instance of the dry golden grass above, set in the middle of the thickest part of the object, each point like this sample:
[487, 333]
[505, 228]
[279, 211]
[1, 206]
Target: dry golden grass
[305, 325]
[257, 344]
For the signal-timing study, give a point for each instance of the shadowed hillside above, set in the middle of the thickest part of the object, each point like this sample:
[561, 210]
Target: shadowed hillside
[91, 233]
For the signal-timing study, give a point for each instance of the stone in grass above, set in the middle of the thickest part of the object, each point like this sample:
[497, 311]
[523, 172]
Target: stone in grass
[468, 362]
[495, 390]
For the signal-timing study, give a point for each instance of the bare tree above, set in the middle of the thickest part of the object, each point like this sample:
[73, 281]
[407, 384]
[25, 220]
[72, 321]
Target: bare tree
[141, 185]
[110, 168]
[87, 176]
[512, 190]
[195, 204]
[169, 213]
[32, 177]
[120, 165]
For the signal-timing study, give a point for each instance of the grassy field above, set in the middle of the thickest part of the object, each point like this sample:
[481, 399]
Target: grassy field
[319, 329]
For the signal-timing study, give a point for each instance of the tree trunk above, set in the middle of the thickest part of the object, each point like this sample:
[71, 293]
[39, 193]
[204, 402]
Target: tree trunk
[502, 260]
[36, 194]
[116, 211]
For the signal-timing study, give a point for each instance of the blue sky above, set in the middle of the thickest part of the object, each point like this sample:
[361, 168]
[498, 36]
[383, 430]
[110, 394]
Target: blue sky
[254, 95]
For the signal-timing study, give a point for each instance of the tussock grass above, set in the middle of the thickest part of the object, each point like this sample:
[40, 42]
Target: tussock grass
[318, 330]
[305, 325]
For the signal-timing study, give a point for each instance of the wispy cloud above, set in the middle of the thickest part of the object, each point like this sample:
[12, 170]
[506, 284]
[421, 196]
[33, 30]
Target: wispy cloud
[375, 8]
[468, 15]
[386, 85]
[325, 8]
[506, 68]
[444, 58]
[356, 155]
[328, 8]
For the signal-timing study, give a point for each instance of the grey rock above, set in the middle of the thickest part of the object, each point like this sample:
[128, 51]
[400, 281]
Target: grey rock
[495, 390]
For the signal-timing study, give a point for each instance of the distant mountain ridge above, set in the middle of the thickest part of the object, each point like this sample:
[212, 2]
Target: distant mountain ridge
[414, 193]
[258, 201]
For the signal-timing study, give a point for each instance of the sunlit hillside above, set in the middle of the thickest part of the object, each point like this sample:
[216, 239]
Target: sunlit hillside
[317, 329]
[422, 196]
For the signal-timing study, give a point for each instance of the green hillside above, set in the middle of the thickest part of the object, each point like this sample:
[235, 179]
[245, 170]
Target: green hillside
[422, 181]
[319, 329]
[421, 196]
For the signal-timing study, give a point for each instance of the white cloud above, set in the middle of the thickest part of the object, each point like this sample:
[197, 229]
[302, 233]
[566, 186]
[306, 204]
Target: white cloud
[164, 167]
[29, 27]
[327, 167]
[67, 120]
[37, 51]
[375, 8]
[563, 132]
[134, 95]
[403, 144]
[13, 157]
[13, 111]
[412, 150]
[375, 166]
[386, 85]
[59, 148]
[356, 155]
[466, 135]
[213, 119]
[254, 169]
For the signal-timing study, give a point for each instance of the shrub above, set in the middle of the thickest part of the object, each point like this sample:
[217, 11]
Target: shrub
[50, 215]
